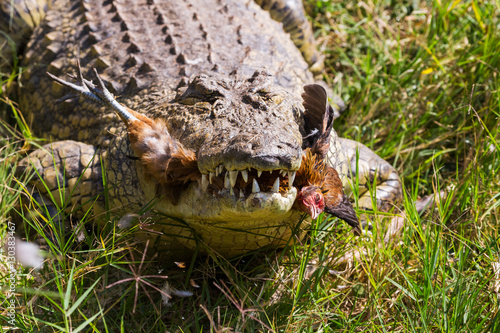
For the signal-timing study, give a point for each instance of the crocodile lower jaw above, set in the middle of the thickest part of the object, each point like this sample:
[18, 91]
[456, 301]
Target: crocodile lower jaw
[195, 204]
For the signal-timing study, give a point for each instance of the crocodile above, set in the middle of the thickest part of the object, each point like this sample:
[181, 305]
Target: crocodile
[225, 80]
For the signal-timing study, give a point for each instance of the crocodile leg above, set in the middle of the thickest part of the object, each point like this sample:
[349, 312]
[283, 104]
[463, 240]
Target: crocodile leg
[291, 13]
[66, 178]
[379, 182]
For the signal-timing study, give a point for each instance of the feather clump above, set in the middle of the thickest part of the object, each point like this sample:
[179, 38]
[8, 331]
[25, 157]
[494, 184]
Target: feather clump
[164, 158]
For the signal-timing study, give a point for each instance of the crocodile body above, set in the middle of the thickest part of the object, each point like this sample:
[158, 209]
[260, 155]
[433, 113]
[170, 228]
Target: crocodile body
[224, 77]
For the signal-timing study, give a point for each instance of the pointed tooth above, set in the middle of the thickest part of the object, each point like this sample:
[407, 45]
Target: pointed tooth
[255, 186]
[204, 181]
[217, 171]
[291, 178]
[232, 177]
[211, 175]
[276, 185]
[231, 191]
[242, 195]
[244, 174]
[259, 172]
[227, 182]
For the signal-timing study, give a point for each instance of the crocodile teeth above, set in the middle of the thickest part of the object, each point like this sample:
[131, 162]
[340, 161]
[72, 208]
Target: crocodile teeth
[259, 172]
[204, 182]
[211, 175]
[227, 182]
[244, 174]
[291, 178]
[242, 195]
[220, 167]
[231, 191]
[255, 186]
[276, 185]
[232, 177]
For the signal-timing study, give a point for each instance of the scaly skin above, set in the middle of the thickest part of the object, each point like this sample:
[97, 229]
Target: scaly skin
[227, 83]
[291, 14]
[73, 167]
[387, 189]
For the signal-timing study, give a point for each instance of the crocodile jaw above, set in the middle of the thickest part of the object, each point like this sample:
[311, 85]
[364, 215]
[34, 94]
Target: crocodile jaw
[222, 223]
[195, 204]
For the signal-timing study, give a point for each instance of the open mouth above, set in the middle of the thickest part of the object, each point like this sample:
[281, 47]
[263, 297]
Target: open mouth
[235, 198]
[243, 183]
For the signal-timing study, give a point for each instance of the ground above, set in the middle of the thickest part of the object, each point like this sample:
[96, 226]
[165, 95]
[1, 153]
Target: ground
[421, 82]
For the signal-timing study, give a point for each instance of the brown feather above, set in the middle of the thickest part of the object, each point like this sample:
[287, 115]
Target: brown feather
[318, 115]
[315, 101]
[164, 158]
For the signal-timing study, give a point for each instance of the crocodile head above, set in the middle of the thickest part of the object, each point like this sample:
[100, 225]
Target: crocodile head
[247, 139]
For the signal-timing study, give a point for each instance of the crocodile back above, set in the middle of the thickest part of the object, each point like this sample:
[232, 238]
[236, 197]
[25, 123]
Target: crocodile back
[145, 51]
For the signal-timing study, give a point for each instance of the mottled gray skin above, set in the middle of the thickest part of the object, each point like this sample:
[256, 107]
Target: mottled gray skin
[226, 80]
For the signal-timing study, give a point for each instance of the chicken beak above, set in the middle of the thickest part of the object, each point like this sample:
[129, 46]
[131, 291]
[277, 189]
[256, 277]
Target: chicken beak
[345, 211]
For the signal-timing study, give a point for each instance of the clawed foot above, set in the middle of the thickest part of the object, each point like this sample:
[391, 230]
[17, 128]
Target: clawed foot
[98, 94]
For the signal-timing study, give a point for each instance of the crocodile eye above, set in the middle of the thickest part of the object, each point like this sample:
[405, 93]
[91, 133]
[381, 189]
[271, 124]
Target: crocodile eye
[196, 94]
[202, 88]
[189, 100]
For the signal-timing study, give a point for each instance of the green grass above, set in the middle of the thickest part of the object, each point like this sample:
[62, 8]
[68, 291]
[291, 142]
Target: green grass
[422, 83]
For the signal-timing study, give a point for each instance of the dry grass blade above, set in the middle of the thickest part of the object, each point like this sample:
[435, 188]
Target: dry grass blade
[240, 305]
[141, 280]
